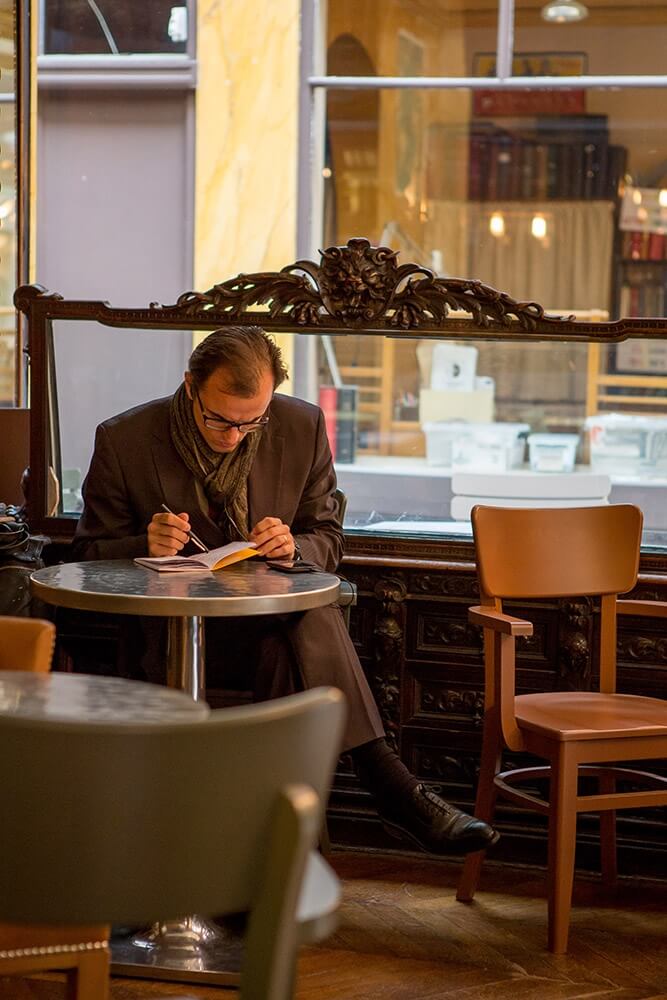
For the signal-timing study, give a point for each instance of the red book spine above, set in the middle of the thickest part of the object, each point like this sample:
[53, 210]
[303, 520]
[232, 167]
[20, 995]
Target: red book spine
[328, 400]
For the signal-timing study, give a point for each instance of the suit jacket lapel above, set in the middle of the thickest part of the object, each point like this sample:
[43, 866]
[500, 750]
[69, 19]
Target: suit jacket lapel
[265, 482]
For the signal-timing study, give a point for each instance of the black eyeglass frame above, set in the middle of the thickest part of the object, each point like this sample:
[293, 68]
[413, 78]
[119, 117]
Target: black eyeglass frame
[219, 423]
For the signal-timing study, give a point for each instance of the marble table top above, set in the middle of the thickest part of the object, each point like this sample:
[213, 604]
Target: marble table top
[122, 587]
[89, 698]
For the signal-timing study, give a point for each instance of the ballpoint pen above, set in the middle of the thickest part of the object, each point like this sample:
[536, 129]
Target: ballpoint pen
[193, 538]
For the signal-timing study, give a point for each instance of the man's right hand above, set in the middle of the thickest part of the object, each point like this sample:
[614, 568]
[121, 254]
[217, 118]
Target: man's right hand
[168, 534]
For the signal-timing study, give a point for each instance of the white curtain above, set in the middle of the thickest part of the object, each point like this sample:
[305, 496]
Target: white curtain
[569, 268]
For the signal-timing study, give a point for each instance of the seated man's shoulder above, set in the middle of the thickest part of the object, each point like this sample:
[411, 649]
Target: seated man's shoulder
[138, 418]
[291, 408]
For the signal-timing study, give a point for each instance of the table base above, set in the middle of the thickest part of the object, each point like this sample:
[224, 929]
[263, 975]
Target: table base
[193, 950]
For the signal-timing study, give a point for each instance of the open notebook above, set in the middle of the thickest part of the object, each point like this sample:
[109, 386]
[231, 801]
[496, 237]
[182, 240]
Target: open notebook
[202, 561]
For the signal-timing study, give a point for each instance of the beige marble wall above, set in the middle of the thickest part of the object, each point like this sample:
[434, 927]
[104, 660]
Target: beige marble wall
[246, 138]
[247, 105]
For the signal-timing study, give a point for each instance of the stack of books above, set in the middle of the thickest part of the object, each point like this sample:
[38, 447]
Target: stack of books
[543, 158]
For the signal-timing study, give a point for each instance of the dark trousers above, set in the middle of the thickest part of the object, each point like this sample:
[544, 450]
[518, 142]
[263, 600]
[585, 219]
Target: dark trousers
[275, 655]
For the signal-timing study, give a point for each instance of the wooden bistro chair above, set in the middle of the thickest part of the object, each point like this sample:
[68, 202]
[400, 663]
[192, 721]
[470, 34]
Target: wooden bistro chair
[538, 554]
[81, 952]
[26, 644]
[144, 823]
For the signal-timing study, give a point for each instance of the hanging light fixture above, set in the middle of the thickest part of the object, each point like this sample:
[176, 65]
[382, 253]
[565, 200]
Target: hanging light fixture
[564, 11]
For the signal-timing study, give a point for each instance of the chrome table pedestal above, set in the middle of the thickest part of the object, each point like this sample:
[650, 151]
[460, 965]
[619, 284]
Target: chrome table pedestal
[192, 950]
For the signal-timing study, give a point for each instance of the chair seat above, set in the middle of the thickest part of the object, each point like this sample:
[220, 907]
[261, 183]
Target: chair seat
[588, 715]
[20, 937]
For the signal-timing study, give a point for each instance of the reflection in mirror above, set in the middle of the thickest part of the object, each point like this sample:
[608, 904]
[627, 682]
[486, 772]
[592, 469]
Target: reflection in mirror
[423, 429]
[420, 428]
[98, 372]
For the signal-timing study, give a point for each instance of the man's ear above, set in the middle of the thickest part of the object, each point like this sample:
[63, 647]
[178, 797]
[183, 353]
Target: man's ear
[187, 378]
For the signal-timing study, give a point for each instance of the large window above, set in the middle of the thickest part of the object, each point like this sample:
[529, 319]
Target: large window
[524, 148]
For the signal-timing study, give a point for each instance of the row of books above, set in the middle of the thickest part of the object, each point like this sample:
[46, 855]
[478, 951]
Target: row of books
[637, 245]
[339, 406]
[561, 157]
[647, 297]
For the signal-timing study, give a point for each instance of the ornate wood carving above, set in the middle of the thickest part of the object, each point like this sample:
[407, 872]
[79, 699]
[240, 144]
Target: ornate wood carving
[575, 624]
[356, 287]
[437, 632]
[439, 766]
[359, 284]
[444, 701]
[388, 633]
[441, 585]
[643, 649]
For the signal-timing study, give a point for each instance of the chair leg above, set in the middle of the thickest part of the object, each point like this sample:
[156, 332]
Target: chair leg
[608, 864]
[485, 804]
[325, 840]
[90, 979]
[562, 842]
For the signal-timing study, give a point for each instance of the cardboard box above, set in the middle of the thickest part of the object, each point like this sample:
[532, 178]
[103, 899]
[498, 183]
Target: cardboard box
[475, 405]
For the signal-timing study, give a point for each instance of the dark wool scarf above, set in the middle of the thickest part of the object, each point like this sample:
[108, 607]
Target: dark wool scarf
[224, 477]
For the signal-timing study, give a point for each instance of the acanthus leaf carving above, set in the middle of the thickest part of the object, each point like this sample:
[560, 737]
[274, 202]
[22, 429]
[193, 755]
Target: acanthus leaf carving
[357, 285]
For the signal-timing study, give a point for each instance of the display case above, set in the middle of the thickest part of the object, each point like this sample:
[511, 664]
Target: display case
[489, 400]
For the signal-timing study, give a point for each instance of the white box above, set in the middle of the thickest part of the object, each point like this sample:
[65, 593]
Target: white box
[453, 366]
[440, 437]
[481, 447]
[552, 452]
[522, 484]
[627, 444]
[494, 447]
[454, 404]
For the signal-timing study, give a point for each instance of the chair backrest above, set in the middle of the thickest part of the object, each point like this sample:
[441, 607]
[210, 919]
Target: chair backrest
[341, 500]
[26, 644]
[135, 823]
[556, 552]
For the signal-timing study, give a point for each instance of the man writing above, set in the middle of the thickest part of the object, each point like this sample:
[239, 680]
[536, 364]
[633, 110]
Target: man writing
[234, 460]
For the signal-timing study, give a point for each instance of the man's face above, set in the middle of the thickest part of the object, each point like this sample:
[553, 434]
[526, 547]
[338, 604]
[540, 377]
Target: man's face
[217, 403]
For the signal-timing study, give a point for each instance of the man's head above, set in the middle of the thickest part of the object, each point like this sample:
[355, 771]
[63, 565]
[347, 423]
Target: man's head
[231, 378]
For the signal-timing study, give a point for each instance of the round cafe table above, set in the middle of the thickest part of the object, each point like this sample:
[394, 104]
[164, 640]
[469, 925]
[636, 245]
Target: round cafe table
[185, 599]
[192, 949]
[88, 698]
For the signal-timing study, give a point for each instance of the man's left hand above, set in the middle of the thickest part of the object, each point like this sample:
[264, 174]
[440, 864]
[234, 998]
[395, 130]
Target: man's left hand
[273, 538]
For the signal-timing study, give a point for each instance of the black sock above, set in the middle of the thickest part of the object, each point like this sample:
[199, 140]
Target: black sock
[382, 772]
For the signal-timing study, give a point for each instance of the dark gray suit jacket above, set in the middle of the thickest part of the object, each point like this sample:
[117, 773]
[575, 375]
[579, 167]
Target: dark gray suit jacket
[135, 468]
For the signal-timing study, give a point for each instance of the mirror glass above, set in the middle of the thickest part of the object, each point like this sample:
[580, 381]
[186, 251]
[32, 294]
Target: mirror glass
[420, 428]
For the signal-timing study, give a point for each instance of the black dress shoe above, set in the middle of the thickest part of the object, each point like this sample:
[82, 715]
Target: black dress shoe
[436, 826]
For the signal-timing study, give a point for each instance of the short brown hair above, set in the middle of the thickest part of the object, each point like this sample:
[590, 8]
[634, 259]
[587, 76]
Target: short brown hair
[246, 352]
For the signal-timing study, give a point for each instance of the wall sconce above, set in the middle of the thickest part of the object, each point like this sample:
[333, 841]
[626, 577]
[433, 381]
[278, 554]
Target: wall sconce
[538, 227]
[497, 224]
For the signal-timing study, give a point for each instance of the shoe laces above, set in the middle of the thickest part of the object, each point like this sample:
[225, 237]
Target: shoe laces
[438, 804]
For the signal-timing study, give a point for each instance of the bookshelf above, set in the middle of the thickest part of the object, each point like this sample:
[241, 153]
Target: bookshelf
[566, 157]
[631, 377]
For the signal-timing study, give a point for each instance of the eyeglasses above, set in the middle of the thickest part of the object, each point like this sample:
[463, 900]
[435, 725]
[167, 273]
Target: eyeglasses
[218, 423]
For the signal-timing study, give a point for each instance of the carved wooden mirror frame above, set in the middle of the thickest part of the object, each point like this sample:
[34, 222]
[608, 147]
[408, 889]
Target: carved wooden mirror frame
[355, 289]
